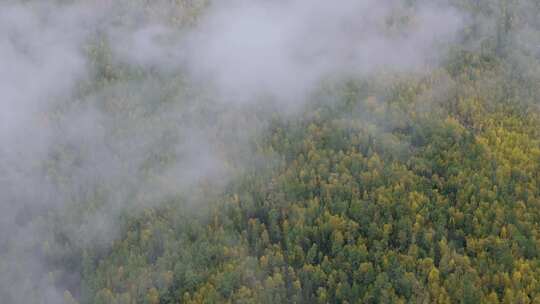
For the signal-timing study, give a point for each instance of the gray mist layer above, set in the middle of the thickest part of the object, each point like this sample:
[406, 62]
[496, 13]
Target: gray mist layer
[115, 106]
[283, 49]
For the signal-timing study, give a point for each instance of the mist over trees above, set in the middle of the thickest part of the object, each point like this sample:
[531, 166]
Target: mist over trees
[286, 151]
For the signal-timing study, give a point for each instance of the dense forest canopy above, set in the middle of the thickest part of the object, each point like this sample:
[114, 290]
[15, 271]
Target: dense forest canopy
[270, 151]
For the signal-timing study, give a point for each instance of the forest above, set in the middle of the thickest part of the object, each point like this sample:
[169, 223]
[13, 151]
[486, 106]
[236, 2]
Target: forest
[167, 152]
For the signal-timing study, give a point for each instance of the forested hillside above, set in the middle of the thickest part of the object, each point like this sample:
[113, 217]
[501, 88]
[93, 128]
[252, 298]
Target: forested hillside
[416, 184]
